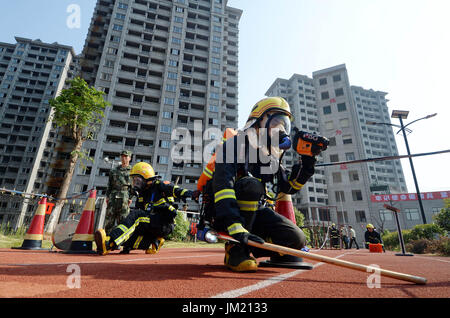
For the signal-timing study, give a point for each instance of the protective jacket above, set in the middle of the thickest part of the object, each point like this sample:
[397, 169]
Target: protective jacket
[152, 218]
[161, 195]
[232, 168]
[372, 237]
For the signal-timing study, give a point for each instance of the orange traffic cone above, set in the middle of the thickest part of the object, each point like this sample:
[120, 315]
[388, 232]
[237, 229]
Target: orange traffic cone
[285, 207]
[84, 234]
[35, 234]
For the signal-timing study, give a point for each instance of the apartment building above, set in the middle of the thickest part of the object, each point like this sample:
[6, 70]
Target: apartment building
[31, 73]
[163, 65]
[327, 104]
[300, 93]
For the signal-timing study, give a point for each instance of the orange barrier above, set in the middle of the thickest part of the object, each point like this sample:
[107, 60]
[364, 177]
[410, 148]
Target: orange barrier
[84, 234]
[35, 234]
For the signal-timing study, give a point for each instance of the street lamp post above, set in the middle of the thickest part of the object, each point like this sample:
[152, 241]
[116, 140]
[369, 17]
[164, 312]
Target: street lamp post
[403, 115]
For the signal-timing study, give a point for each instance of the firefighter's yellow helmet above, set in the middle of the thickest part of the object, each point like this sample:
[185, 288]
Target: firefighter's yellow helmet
[143, 169]
[266, 105]
[370, 226]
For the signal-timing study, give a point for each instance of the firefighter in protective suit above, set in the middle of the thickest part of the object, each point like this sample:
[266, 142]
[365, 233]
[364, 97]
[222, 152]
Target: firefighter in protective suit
[152, 219]
[238, 185]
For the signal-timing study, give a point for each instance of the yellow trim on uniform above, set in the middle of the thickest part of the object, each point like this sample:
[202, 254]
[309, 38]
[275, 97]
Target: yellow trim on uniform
[173, 191]
[294, 184]
[138, 241]
[236, 228]
[224, 194]
[129, 231]
[159, 202]
[248, 205]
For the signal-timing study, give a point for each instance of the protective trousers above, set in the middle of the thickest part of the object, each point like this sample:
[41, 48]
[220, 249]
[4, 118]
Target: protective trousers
[141, 228]
[276, 229]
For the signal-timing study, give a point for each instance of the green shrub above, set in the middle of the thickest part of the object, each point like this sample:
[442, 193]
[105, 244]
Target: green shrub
[426, 231]
[181, 229]
[419, 232]
[443, 246]
[443, 218]
[421, 246]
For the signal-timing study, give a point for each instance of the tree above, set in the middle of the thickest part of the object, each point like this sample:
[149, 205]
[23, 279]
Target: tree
[79, 109]
[443, 218]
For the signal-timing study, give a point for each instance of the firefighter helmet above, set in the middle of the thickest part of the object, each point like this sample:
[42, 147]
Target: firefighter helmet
[266, 105]
[143, 169]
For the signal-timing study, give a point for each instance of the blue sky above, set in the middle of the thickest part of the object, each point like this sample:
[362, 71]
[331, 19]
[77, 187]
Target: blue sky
[45, 20]
[400, 47]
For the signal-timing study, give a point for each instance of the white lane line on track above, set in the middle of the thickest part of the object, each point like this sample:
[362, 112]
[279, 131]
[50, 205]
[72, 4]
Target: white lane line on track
[268, 282]
[112, 261]
[432, 258]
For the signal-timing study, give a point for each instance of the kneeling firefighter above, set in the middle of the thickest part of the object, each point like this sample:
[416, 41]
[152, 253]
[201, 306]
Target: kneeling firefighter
[234, 199]
[152, 219]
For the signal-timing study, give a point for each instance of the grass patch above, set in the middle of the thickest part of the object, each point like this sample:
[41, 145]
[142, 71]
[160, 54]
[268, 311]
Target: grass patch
[9, 241]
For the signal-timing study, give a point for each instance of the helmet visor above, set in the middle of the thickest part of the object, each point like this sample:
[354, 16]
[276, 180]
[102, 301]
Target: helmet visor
[279, 122]
[137, 183]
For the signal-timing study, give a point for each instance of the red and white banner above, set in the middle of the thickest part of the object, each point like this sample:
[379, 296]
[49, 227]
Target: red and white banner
[440, 195]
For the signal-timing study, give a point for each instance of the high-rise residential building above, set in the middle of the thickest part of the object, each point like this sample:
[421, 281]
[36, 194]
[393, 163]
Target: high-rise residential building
[300, 93]
[31, 73]
[163, 65]
[327, 104]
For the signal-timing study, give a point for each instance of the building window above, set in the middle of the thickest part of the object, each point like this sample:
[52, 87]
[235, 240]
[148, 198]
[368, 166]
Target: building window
[176, 41]
[339, 92]
[341, 107]
[412, 214]
[163, 160]
[165, 129]
[327, 110]
[337, 177]
[323, 81]
[385, 215]
[329, 125]
[164, 144]
[344, 123]
[334, 158]
[347, 140]
[340, 196]
[353, 176]
[169, 101]
[357, 195]
[117, 27]
[336, 78]
[171, 75]
[324, 95]
[360, 216]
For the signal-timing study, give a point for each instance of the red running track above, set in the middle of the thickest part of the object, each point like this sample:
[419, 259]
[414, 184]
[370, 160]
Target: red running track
[200, 273]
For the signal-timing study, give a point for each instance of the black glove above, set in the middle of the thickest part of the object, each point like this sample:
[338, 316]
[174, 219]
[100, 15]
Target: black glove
[187, 194]
[307, 168]
[196, 195]
[239, 233]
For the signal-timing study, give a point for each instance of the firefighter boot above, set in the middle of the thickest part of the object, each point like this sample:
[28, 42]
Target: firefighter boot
[155, 246]
[238, 259]
[104, 246]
